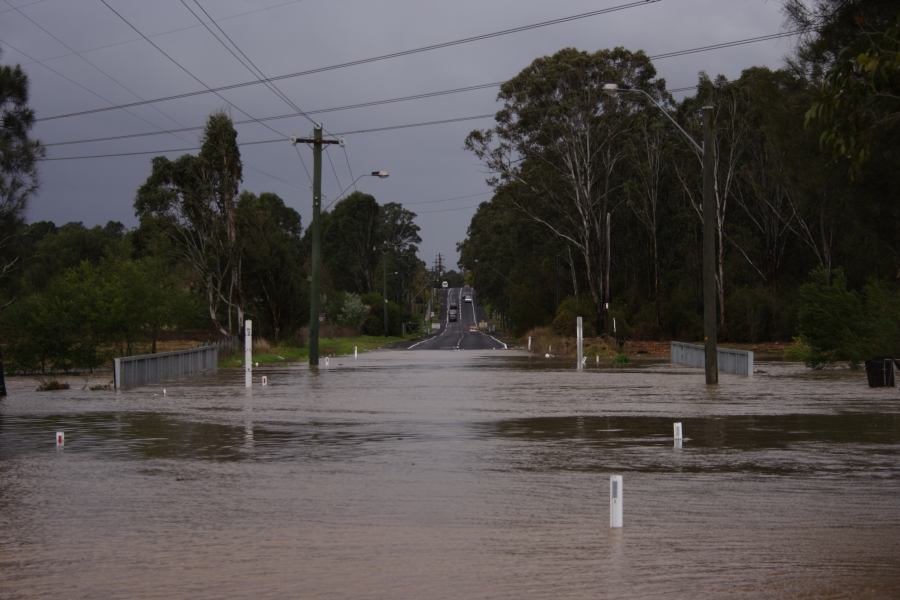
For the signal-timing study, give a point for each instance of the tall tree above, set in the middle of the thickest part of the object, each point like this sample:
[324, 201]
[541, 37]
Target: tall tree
[853, 50]
[18, 170]
[400, 238]
[352, 243]
[195, 199]
[563, 138]
[272, 263]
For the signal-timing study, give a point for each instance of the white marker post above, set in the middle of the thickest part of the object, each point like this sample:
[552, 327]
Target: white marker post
[679, 437]
[265, 380]
[248, 353]
[579, 336]
[529, 343]
[60, 439]
[354, 352]
[615, 501]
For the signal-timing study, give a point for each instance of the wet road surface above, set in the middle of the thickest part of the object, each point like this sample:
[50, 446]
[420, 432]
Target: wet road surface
[414, 474]
[461, 334]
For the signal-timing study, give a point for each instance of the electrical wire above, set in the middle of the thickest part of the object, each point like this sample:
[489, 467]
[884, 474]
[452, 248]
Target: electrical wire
[333, 170]
[292, 115]
[452, 198]
[357, 62]
[188, 72]
[102, 72]
[120, 84]
[161, 33]
[258, 142]
[249, 64]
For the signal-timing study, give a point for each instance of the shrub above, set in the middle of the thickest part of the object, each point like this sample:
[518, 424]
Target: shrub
[568, 310]
[353, 312]
[831, 320]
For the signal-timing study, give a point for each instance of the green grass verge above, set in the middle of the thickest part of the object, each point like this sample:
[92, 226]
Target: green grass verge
[327, 347]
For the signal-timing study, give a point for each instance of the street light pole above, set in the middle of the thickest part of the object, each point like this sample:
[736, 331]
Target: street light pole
[707, 153]
[384, 288]
[709, 251]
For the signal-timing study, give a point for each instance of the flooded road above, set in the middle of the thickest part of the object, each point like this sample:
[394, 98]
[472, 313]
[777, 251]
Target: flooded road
[441, 474]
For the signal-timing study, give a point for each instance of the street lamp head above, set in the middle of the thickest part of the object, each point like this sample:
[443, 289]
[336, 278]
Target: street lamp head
[380, 174]
[610, 88]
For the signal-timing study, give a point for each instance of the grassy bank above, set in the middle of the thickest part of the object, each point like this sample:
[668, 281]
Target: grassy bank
[544, 341]
[263, 352]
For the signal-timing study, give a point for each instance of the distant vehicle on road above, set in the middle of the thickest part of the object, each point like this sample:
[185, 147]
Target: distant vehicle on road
[453, 314]
[467, 298]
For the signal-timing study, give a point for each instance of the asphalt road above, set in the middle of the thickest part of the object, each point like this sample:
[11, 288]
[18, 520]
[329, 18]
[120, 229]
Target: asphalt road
[456, 335]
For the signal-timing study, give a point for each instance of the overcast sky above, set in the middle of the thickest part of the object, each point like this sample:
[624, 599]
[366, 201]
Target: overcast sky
[80, 55]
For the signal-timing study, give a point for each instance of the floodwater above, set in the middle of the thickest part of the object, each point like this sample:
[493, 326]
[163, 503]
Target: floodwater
[454, 475]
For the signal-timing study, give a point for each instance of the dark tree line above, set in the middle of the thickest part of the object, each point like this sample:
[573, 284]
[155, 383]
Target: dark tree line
[206, 256]
[597, 205]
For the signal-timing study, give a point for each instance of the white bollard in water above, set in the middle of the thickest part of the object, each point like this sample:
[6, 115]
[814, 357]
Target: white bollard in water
[248, 353]
[326, 361]
[354, 352]
[60, 439]
[529, 343]
[579, 337]
[678, 431]
[265, 380]
[615, 501]
[164, 391]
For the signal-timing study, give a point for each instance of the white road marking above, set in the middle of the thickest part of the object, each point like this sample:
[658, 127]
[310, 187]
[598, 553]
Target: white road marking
[499, 342]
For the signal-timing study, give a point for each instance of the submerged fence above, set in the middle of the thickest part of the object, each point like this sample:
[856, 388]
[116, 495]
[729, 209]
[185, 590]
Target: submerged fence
[131, 371]
[736, 362]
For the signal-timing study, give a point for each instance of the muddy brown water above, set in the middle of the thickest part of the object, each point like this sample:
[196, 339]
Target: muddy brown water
[454, 475]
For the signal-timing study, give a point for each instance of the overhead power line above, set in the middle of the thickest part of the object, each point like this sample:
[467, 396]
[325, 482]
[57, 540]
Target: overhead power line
[288, 115]
[391, 100]
[266, 141]
[425, 95]
[358, 62]
[159, 33]
[186, 70]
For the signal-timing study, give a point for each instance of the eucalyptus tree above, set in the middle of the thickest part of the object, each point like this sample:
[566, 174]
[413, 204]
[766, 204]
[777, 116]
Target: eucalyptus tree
[272, 262]
[563, 138]
[18, 171]
[18, 157]
[352, 241]
[400, 239]
[194, 199]
[852, 51]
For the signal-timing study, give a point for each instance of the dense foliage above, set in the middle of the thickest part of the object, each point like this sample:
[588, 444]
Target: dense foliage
[205, 256]
[597, 208]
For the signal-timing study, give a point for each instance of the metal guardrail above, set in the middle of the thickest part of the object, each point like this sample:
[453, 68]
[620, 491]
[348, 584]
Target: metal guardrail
[736, 362]
[132, 371]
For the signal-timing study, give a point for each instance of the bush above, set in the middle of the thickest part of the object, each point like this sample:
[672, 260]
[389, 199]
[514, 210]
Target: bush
[353, 312]
[568, 310]
[831, 320]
